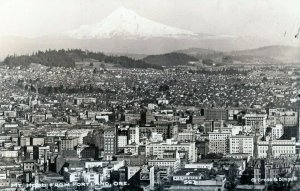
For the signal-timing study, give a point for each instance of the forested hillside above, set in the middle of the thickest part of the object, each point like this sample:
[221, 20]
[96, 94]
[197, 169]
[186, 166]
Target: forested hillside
[67, 58]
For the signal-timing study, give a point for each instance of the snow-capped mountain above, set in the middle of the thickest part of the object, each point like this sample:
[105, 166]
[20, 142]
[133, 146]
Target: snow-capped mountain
[124, 31]
[127, 24]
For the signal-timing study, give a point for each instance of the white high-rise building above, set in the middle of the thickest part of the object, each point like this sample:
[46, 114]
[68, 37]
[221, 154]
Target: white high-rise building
[257, 121]
[122, 141]
[241, 144]
[134, 135]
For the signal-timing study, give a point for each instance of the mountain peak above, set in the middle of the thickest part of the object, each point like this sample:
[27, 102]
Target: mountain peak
[127, 24]
[123, 11]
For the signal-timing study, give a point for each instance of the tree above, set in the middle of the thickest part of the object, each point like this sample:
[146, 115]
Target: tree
[246, 177]
[214, 156]
[233, 172]
[208, 62]
[95, 71]
[265, 79]
[163, 88]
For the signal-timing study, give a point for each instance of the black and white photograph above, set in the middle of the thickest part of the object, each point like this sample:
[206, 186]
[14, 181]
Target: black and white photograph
[149, 95]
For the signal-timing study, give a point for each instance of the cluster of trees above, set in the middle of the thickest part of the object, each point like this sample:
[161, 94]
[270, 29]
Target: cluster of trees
[127, 62]
[46, 90]
[225, 71]
[170, 59]
[227, 59]
[211, 62]
[163, 88]
[67, 58]
[208, 62]
[51, 58]
[80, 55]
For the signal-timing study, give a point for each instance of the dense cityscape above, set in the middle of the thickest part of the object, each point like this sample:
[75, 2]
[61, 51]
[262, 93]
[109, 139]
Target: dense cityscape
[151, 95]
[194, 127]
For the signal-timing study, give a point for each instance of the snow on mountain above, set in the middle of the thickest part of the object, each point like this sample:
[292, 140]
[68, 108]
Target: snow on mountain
[125, 23]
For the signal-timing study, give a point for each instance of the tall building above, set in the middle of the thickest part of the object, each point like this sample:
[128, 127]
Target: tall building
[134, 134]
[122, 141]
[147, 117]
[110, 143]
[41, 154]
[23, 141]
[256, 120]
[167, 130]
[68, 143]
[211, 125]
[122, 138]
[219, 142]
[241, 144]
[216, 114]
[28, 168]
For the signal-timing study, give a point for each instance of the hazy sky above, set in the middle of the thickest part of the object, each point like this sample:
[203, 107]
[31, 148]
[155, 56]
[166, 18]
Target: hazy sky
[275, 19]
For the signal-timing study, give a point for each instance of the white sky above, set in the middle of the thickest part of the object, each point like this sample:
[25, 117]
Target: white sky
[263, 18]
